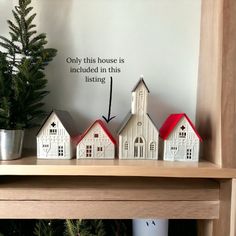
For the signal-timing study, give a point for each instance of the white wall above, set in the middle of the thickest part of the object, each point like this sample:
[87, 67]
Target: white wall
[5, 12]
[157, 38]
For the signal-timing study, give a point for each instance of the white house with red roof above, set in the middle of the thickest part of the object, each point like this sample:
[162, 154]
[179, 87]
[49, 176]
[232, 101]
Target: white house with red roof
[55, 137]
[96, 143]
[181, 139]
[138, 135]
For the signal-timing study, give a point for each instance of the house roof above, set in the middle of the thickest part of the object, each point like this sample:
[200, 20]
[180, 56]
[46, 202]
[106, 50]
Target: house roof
[103, 126]
[138, 83]
[171, 122]
[66, 120]
[124, 123]
[128, 118]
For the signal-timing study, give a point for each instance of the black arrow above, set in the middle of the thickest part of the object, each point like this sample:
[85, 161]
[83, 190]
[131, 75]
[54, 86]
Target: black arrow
[109, 118]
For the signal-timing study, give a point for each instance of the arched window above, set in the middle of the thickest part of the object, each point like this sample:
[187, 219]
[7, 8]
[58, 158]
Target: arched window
[126, 145]
[152, 146]
[139, 147]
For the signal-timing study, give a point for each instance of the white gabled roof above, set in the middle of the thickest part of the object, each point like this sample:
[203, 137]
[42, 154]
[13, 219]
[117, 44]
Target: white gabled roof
[66, 120]
[128, 118]
[141, 81]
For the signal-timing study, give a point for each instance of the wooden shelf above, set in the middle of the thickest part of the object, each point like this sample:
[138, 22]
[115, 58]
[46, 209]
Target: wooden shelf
[93, 197]
[52, 189]
[30, 165]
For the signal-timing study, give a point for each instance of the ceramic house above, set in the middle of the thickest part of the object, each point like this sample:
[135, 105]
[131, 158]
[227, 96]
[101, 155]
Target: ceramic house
[96, 143]
[55, 137]
[138, 136]
[181, 139]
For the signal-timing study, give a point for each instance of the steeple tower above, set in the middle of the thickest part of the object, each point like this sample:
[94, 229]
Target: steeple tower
[139, 98]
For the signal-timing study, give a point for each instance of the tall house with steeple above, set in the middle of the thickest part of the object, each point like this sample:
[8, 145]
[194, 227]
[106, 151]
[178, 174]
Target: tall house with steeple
[139, 98]
[138, 136]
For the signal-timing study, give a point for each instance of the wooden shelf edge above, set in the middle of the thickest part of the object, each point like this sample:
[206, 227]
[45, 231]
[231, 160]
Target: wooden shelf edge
[136, 168]
[103, 209]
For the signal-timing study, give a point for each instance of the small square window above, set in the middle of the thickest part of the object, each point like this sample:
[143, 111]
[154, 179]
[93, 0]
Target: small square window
[182, 134]
[53, 131]
[95, 135]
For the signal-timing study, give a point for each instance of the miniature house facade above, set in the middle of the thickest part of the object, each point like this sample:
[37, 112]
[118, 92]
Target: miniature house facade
[96, 143]
[55, 137]
[138, 136]
[181, 139]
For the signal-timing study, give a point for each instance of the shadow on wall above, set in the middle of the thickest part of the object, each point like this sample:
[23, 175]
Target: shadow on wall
[159, 109]
[204, 127]
[55, 18]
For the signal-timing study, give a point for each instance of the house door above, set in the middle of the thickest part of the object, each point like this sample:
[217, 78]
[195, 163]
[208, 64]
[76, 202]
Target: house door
[139, 147]
[46, 146]
[100, 151]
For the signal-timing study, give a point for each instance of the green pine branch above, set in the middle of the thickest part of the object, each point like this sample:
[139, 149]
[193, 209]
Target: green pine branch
[43, 228]
[84, 228]
[23, 58]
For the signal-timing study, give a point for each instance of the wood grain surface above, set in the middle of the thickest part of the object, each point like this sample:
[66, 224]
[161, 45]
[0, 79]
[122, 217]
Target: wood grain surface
[143, 168]
[107, 188]
[109, 209]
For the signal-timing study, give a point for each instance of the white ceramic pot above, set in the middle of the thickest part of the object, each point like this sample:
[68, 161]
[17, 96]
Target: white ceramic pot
[150, 227]
[11, 142]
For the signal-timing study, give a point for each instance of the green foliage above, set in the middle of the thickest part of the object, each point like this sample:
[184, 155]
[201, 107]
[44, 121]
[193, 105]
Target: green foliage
[84, 228]
[23, 59]
[72, 227]
[65, 227]
[43, 228]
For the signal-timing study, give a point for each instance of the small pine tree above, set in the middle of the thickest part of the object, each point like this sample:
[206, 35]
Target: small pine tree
[43, 228]
[84, 228]
[23, 59]
[72, 227]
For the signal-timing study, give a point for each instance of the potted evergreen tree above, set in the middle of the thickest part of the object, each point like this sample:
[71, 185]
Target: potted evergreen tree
[23, 58]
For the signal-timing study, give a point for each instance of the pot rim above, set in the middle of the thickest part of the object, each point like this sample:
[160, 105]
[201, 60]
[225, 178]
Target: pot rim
[12, 129]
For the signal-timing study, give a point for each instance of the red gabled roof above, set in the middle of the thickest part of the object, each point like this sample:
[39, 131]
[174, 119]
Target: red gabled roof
[100, 122]
[171, 122]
